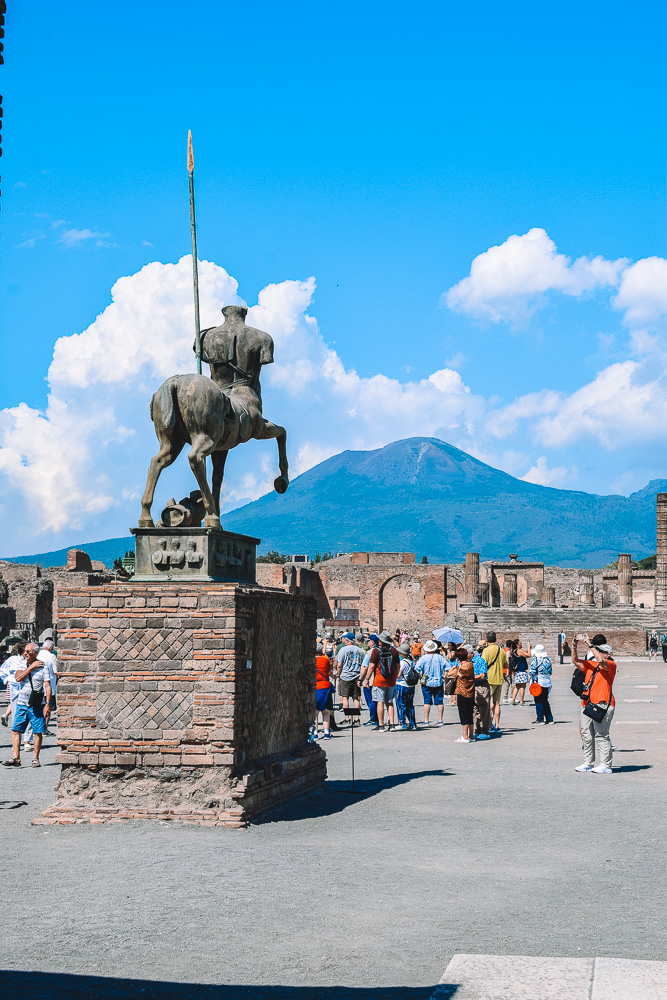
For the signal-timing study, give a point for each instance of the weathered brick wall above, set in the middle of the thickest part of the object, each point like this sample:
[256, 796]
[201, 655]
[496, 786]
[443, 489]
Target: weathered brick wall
[188, 701]
[280, 706]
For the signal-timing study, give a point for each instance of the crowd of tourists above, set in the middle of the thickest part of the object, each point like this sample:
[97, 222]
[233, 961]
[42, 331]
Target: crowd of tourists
[385, 670]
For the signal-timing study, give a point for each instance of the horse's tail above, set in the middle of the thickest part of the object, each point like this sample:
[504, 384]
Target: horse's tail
[166, 399]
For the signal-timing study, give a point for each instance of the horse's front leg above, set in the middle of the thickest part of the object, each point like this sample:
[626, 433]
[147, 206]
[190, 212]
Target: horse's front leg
[271, 430]
[202, 447]
[168, 453]
[218, 458]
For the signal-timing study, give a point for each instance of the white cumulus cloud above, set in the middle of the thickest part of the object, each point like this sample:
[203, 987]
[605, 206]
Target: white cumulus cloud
[643, 292]
[541, 474]
[507, 283]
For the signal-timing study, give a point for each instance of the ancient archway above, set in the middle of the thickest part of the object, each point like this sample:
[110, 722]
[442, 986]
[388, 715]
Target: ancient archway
[402, 603]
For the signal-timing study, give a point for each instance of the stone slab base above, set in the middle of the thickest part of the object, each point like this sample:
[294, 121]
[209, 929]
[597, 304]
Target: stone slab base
[531, 977]
[201, 796]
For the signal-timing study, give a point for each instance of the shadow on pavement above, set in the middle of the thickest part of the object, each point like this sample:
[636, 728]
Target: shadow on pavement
[337, 795]
[61, 986]
[12, 803]
[632, 767]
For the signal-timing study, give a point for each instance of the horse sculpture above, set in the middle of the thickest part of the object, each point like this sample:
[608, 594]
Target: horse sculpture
[215, 414]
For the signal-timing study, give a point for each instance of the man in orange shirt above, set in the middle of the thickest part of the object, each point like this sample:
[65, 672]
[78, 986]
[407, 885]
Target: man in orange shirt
[599, 679]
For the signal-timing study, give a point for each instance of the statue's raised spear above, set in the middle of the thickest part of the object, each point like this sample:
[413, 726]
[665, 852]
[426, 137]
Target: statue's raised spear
[193, 229]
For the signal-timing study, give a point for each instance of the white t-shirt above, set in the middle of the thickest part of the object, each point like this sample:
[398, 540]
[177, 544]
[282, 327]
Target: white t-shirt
[39, 677]
[8, 673]
[400, 680]
[51, 661]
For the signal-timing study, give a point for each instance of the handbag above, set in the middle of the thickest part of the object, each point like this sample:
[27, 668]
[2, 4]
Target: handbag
[596, 712]
[35, 699]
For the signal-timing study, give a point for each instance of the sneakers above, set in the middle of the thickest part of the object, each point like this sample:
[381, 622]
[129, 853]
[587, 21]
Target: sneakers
[602, 769]
[375, 727]
[439, 724]
[462, 739]
[494, 729]
[3, 720]
[326, 736]
[584, 767]
[405, 726]
[483, 736]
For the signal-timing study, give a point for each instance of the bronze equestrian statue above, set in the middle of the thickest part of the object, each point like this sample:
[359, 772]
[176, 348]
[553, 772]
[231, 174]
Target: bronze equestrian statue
[215, 414]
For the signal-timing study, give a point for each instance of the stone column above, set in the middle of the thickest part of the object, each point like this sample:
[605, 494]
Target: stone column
[472, 578]
[661, 550]
[509, 588]
[624, 578]
[586, 589]
[549, 596]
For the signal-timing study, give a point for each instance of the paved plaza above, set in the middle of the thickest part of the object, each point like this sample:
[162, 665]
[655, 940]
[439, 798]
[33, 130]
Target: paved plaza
[448, 861]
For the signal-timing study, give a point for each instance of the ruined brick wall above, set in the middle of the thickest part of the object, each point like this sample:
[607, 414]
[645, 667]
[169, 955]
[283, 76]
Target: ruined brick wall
[403, 603]
[566, 581]
[32, 601]
[281, 697]
[269, 575]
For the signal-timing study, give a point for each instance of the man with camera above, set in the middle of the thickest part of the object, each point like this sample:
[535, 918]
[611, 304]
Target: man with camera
[33, 704]
[597, 702]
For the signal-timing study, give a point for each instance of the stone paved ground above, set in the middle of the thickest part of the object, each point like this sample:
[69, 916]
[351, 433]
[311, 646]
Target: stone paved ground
[497, 848]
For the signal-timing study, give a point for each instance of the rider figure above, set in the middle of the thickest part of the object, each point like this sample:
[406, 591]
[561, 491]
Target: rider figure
[236, 352]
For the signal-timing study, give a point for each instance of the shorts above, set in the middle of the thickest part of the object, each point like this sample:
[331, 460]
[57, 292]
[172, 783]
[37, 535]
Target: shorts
[496, 692]
[25, 714]
[349, 689]
[433, 695]
[323, 699]
[385, 695]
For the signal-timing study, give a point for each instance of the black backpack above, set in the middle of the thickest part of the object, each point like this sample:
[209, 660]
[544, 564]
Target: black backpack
[387, 664]
[411, 675]
[578, 682]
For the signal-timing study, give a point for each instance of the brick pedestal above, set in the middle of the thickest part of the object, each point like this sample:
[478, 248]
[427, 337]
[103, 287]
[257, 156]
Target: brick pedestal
[187, 702]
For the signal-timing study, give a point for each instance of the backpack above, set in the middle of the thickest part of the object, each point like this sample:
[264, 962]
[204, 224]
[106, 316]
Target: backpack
[387, 664]
[411, 675]
[578, 682]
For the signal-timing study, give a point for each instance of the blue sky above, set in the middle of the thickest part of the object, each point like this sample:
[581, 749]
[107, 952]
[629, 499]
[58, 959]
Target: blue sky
[378, 149]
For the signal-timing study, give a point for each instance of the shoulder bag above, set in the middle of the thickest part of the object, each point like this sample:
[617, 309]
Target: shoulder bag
[36, 696]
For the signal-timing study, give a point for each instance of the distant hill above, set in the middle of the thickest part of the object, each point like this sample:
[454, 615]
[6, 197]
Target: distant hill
[425, 496]
[105, 551]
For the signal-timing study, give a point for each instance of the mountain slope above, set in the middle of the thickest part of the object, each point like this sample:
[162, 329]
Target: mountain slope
[425, 496]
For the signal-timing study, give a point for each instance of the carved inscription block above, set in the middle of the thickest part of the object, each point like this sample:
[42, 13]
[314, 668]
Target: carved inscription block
[191, 554]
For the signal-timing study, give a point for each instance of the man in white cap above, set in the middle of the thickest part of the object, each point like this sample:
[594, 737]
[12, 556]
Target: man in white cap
[349, 659]
[597, 702]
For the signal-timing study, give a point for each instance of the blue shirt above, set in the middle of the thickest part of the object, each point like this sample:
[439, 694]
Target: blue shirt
[479, 664]
[540, 670]
[432, 666]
